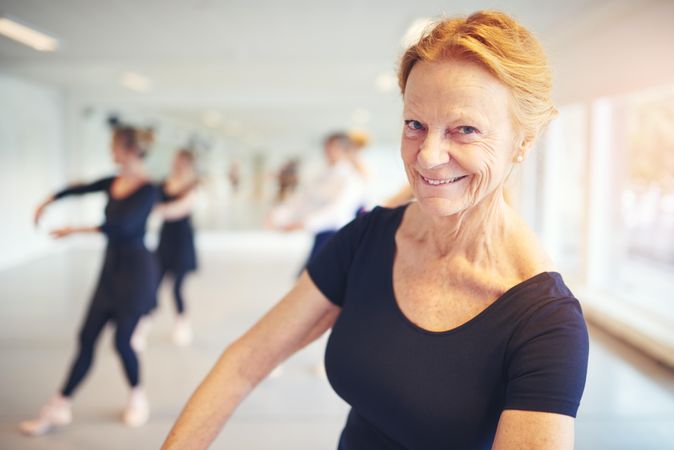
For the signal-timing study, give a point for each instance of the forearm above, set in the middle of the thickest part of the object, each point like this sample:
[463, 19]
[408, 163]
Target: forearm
[41, 208]
[174, 212]
[177, 209]
[95, 229]
[236, 373]
[212, 404]
[303, 315]
[67, 231]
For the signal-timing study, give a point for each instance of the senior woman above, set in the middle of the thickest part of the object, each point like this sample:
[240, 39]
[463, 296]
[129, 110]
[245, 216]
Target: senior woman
[449, 328]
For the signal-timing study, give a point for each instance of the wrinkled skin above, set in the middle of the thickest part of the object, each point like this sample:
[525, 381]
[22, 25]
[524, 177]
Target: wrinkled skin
[457, 123]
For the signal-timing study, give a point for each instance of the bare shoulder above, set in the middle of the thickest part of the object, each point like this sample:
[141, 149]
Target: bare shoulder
[525, 248]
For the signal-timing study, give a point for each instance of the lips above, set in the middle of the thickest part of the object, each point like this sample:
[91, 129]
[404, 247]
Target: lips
[442, 181]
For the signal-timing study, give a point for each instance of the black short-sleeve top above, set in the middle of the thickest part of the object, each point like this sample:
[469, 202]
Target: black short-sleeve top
[416, 389]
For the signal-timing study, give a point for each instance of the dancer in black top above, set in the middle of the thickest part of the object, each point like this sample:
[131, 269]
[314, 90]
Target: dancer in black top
[504, 358]
[450, 327]
[176, 252]
[127, 285]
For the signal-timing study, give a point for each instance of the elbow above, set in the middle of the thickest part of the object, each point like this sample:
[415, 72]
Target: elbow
[251, 366]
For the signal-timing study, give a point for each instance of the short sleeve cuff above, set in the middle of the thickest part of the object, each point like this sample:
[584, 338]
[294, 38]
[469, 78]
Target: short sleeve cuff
[330, 292]
[541, 404]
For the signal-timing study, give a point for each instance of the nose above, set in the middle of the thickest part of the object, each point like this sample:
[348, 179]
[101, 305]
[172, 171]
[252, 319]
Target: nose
[434, 151]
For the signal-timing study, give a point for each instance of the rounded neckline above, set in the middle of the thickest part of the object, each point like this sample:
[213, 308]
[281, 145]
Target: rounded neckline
[393, 250]
[138, 189]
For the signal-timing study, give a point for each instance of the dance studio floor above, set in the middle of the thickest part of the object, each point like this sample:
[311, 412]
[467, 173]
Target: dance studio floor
[628, 404]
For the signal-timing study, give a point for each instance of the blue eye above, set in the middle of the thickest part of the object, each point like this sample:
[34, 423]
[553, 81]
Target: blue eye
[467, 129]
[413, 125]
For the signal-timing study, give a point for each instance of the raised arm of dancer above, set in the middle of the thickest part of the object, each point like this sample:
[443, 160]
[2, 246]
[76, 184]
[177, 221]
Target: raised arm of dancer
[66, 231]
[179, 208]
[75, 189]
[299, 318]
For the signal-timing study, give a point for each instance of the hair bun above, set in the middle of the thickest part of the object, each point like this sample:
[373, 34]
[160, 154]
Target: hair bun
[359, 138]
[145, 136]
[134, 139]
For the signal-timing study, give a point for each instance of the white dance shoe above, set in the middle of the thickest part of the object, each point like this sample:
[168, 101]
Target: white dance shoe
[56, 413]
[137, 411]
[182, 332]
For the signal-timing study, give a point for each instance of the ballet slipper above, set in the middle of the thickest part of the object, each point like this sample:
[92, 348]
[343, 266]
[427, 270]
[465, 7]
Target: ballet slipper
[56, 413]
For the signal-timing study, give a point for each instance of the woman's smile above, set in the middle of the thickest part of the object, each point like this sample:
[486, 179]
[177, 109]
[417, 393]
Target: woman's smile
[437, 181]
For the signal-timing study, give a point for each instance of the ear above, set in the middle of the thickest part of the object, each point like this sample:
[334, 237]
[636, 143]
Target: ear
[523, 148]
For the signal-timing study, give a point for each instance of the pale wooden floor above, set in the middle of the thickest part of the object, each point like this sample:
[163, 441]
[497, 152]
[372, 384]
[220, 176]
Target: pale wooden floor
[629, 401]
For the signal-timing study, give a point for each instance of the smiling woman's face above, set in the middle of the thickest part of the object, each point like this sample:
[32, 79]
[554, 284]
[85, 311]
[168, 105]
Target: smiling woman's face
[458, 142]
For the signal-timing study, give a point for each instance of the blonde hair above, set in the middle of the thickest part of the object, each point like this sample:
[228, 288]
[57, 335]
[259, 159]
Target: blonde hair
[136, 140]
[359, 138]
[503, 47]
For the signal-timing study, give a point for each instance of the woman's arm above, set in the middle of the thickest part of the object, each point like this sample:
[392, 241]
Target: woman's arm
[524, 430]
[41, 208]
[179, 208]
[299, 318]
[546, 368]
[85, 188]
[66, 231]
[75, 189]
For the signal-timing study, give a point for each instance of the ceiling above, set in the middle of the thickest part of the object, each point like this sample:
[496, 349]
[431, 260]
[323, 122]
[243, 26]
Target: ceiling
[277, 72]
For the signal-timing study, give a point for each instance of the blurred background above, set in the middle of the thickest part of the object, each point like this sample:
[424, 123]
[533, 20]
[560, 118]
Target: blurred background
[251, 87]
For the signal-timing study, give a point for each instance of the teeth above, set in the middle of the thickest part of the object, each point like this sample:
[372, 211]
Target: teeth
[439, 182]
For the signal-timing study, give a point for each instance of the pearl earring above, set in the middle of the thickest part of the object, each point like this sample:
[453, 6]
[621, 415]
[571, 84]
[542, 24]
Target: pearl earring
[520, 158]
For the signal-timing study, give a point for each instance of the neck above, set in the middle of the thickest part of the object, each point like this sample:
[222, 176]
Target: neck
[473, 235]
[183, 178]
[133, 168]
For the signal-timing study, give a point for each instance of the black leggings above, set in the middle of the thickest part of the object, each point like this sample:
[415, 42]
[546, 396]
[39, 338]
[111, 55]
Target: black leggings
[94, 323]
[178, 279]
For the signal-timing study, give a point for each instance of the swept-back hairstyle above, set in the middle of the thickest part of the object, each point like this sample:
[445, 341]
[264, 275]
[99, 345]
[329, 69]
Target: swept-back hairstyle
[502, 46]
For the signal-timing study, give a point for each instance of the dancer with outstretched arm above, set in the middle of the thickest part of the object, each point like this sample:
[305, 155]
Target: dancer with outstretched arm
[127, 285]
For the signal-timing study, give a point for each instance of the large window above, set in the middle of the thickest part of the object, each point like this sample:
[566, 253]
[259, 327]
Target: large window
[646, 191]
[603, 184]
[562, 179]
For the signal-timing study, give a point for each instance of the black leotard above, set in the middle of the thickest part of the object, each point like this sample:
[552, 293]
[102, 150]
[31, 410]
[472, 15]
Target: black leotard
[127, 285]
[176, 249]
[410, 388]
[129, 276]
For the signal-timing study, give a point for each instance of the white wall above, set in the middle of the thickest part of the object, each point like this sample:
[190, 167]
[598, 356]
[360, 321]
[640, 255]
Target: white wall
[618, 47]
[31, 164]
